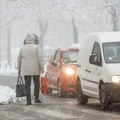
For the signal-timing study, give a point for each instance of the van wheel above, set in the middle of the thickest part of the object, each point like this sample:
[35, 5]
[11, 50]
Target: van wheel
[60, 93]
[81, 99]
[104, 103]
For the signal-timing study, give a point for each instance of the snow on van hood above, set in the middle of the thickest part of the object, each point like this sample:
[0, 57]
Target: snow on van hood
[115, 68]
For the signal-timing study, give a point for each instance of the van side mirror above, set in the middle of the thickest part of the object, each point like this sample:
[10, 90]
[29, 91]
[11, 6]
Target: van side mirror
[54, 63]
[93, 59]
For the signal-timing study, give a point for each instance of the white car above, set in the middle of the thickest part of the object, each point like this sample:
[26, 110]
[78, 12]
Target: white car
[98, 73]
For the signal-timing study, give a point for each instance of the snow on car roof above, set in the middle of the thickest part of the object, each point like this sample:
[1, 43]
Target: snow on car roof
[68, 49]
[75, 46]
[106, 36]
[72, 47]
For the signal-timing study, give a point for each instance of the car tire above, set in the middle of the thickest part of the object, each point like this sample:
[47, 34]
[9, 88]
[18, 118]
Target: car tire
[104, 103]
[60, 93]
[74, 94]
[81, 99]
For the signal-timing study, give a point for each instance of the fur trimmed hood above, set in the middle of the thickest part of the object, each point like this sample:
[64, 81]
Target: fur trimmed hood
[30, 39]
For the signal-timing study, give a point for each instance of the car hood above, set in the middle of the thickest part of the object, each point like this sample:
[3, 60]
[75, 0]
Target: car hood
[114, 68]
[71, 65]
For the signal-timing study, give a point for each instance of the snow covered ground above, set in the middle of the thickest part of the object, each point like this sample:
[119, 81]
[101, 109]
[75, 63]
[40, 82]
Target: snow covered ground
[8, 95]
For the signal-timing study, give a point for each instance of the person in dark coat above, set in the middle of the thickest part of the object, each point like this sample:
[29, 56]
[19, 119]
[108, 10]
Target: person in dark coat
[30, 65]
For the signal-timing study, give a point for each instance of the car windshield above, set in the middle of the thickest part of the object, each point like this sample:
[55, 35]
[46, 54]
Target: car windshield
[70, 56]
[111, 52]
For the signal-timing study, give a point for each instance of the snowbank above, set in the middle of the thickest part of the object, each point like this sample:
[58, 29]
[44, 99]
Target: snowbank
[8, 95]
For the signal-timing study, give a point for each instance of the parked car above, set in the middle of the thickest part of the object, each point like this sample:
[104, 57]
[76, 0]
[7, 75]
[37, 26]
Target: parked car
[98, 74]
[61, 71]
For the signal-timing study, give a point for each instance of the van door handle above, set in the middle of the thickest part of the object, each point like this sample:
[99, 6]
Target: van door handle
[88, 71]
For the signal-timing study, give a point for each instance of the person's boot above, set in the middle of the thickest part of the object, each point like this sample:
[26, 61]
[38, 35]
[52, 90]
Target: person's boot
[37, 100]
[29, 103]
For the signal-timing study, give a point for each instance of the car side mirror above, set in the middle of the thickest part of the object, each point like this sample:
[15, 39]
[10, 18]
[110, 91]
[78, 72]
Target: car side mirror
[54, 63]
[93, 59]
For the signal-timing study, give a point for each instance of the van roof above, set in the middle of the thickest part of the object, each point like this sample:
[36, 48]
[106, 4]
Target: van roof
[106, 36]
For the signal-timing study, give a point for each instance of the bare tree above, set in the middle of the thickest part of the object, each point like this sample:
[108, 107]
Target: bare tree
[9, 43]
[43, 25]
[75, 32]
[43, 28]
[8, 22]
[0, 28]
[112, 8]
[9, 25]
[114, 16]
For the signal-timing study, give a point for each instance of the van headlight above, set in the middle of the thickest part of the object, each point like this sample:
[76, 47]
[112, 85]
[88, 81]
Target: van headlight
[68, 71]
[115, 79]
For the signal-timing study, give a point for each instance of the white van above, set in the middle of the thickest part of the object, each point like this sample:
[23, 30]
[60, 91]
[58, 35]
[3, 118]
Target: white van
[98, 74]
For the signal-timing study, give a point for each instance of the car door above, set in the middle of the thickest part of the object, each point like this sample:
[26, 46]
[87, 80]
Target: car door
[50, 70]
[56, 68]
[95, 71]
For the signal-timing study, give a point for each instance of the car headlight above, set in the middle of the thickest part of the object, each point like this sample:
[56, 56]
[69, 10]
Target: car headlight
[115, 79]
[68, 71]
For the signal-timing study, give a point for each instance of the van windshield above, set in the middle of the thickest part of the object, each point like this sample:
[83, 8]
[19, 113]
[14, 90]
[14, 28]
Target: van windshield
[70, 56]
[111, 52]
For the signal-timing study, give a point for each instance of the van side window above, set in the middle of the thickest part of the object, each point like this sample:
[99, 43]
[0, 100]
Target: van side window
[96, 51]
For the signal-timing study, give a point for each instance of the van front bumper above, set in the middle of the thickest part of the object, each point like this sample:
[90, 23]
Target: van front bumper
[113, 92]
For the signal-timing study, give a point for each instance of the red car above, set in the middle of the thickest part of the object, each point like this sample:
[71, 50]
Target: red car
[61, 71]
